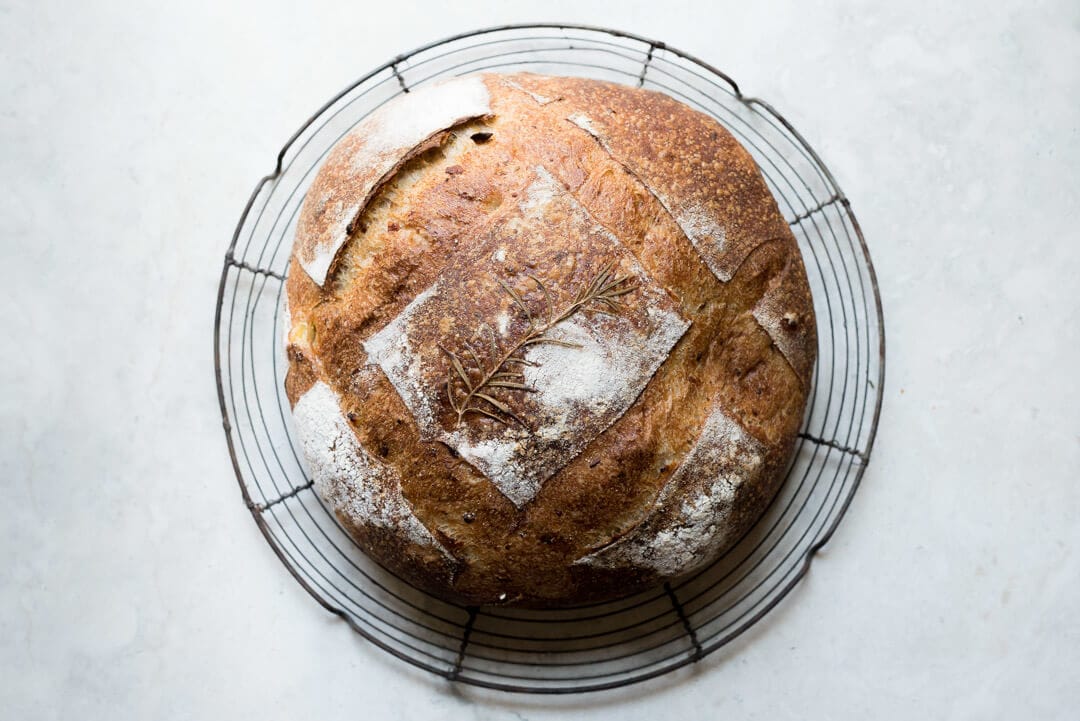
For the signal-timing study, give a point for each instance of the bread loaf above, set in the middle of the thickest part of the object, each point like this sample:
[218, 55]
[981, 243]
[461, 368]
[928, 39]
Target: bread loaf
[550, 339]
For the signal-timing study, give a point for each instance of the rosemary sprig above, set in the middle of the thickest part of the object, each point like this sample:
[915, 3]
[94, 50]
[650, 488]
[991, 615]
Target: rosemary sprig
[470, 381]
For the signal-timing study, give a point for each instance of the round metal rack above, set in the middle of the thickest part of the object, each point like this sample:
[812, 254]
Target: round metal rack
[598, 646]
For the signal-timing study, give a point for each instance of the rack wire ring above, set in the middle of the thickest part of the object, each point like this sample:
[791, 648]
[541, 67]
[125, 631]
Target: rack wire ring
[597, 646]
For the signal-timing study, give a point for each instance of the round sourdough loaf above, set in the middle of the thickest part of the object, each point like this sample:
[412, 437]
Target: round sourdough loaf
[549, 339]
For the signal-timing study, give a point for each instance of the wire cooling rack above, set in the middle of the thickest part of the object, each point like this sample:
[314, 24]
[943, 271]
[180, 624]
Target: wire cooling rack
[597, 646]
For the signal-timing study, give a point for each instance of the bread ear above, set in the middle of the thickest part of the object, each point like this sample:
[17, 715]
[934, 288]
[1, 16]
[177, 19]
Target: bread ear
[369, 155]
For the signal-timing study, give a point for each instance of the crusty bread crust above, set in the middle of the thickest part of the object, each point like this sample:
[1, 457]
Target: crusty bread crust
[685, 214]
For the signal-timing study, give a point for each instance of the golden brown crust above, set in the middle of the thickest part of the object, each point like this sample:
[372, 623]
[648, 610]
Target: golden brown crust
[748, 349]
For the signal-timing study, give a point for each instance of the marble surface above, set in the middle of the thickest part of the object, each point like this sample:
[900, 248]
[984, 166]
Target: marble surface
[134, 583]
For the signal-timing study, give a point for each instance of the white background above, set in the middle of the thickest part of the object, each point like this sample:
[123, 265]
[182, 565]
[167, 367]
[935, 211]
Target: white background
[135, 585]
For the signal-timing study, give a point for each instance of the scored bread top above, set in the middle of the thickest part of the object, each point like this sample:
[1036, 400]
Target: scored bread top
[549, 340]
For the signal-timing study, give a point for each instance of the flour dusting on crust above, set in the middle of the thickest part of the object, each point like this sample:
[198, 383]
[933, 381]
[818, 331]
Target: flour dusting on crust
[707, 237]
[286, 320]
[583, 122]
[578, 391]
[375, 148]
[391, 349]
[355, 485]
[540, 99]
[677, 536]
[793, 333]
